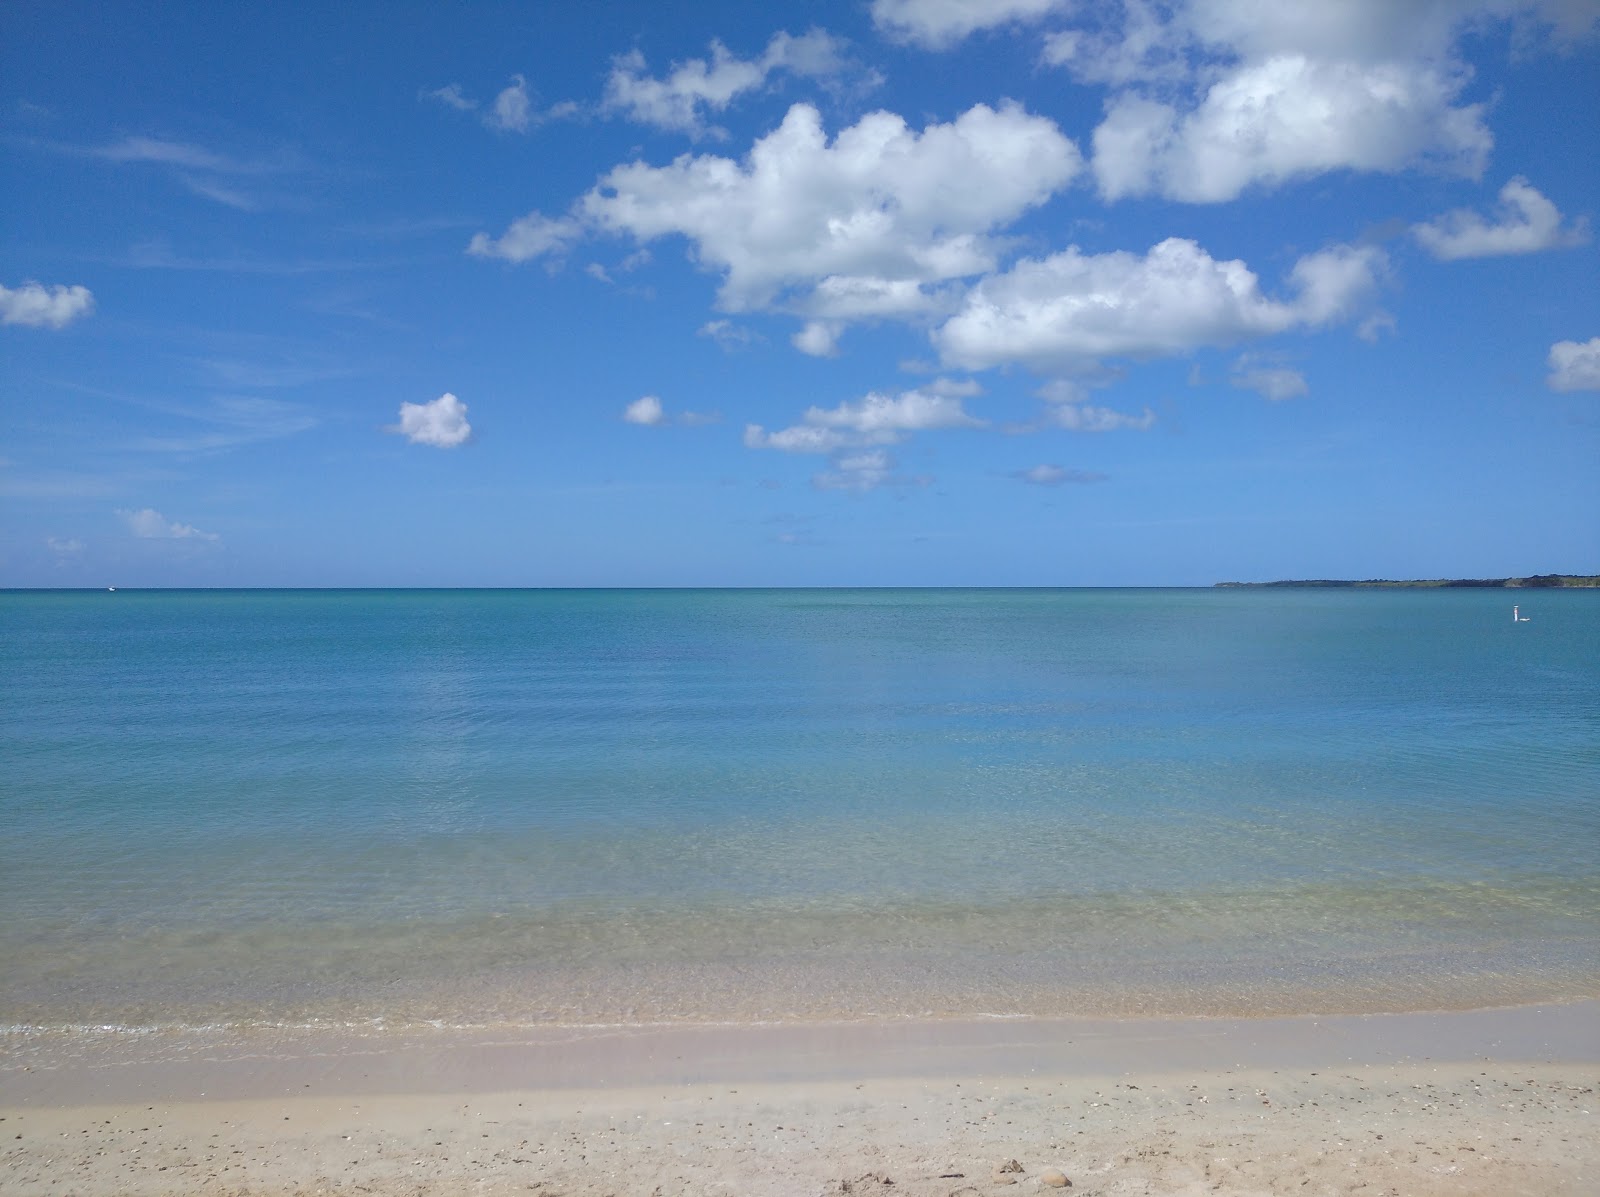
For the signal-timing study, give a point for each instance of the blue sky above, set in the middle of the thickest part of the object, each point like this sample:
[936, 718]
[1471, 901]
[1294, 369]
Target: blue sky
[903, 292]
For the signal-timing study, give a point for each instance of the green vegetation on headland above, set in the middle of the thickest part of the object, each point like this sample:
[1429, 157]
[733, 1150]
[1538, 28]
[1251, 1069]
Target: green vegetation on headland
[1547, 581]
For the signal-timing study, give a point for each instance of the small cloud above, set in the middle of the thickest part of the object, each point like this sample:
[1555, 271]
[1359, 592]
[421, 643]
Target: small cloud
[33, 305]
[442, 423]
[532, 236]
[1251, 373]
[857, 471]
[728, 335]
[1054, 475]
[645, 410]
[450, 96]
[513, 110]
[1083, 417]
[149, 524]
[596, 271]
[1575, 365]
[1525, 223]
[819, 338]
[1376, 325]
[64, 548]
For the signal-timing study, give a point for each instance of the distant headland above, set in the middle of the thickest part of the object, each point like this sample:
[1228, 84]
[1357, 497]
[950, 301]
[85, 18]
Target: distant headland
[1545, 581]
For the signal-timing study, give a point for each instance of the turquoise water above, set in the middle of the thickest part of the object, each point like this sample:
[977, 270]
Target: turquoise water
[483, 807]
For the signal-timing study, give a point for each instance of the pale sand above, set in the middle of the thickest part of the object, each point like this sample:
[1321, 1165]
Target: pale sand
[1490, 1102]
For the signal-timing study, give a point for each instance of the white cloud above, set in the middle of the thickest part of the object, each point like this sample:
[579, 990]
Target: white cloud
[1525, 223]
[441, 423]
[1275, 382]
[173, 153]
[819, 338]
[1217, 96]
[1288, 117]
[1064, 312]
[679, 101]
[645, 410]
[532, 236]
[802, 438]
[857, 226]
[648, 410]
[729, 335]
[149, 524]
[878, 419]
[1575, 365]
[512, 111]
[201, 171]
[1054, 475]
[33, 305]
[64, 548]
[940, 24]
[880, 204]
[858, 471]
[1082, 417]
[450, 96]
[854, 433]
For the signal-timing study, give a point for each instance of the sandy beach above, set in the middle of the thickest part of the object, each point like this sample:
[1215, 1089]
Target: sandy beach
[1459, 1103]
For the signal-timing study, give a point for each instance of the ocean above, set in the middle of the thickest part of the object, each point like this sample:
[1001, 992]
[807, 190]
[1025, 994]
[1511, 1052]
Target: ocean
[561, 807]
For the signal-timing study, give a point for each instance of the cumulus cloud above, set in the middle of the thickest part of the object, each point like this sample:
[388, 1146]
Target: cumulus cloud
[1217, 96]
[819, 338]
[532, 236]
[1289, 117]
[1271, 381]
[33, 305]
[645, 410]
[648, 411]
[940, 24]
[1526, 222]
[861, 225]
[441, 423]
[853, 434]
[1575, 365]
[149, 524]
[876, 419]
[679, 101]
[1054, 475]
[1064, 312]
[512, 110]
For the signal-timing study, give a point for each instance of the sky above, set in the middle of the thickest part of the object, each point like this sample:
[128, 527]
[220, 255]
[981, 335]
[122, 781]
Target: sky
[875, 292]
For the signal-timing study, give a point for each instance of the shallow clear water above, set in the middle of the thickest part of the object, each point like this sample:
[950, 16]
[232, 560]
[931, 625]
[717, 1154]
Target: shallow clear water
[572, 806]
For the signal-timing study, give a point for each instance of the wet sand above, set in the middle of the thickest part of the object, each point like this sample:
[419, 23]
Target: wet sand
[1499, 1102]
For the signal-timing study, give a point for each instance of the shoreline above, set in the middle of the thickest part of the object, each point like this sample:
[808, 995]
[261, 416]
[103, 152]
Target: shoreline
[1425, 1103]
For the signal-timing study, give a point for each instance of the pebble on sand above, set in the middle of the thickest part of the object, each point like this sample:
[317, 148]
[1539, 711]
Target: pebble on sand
[1054, 1178]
